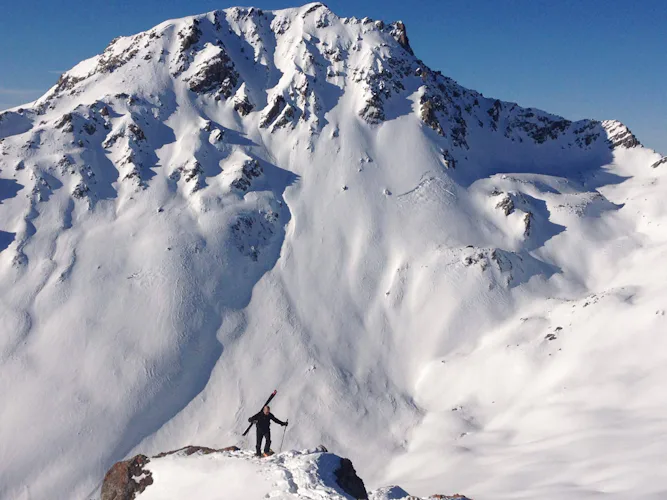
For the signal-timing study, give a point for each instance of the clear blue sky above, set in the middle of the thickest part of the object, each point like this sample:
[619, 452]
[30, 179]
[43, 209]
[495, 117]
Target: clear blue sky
[580, 59]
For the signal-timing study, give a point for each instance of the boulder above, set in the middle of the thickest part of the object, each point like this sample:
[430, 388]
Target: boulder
[125, 480]
[349, 482]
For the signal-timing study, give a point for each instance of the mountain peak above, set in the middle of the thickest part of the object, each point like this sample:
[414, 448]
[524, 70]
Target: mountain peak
[249, 198]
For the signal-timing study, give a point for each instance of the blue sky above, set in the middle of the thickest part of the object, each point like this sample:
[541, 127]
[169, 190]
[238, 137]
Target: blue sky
[580, 59]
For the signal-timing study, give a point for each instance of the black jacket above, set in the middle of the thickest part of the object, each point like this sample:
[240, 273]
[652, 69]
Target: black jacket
[262, 421]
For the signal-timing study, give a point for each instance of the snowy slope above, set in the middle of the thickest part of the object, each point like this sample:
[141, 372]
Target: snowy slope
[456, 292]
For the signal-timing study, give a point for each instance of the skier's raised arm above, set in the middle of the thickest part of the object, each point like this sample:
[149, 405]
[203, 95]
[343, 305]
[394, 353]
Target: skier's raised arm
[272, 417]
[254, 418]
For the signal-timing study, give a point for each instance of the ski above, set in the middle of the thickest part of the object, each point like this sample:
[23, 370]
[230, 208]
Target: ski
[273, 395]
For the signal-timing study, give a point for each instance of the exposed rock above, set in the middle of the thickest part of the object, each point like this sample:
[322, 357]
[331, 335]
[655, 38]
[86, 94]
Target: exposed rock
[494, 113]
[136, 131]
[253, 231]
[542, 129]
[125, 480]
[80, 190]
[192, 173]
[65, 122]
[273, 112]
[66, 82]
[587, 133]
[373, 111]
[347, 479]
[448, 160]
[191, 450]
[661, 161]
[527, 222]
[380, 84]
[109, 62]
[312, 9]
[111, 139]
[286, 117]
[243, 106]
[89, 128]
[216, 136]
[241, 101]
[64, 164]
[506, 204]
[449, 497]
[400, 34]
[190, 35]
[251, 169]
[217, 73]
[428, 109]
[618, 135]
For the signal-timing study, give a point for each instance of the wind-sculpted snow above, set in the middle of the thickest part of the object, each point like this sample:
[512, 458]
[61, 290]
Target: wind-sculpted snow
[249, 199]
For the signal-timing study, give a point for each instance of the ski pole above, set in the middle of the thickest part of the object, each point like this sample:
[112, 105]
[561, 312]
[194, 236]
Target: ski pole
[283, 439]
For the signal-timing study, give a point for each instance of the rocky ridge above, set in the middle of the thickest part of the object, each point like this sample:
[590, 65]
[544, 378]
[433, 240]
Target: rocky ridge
[331, 476]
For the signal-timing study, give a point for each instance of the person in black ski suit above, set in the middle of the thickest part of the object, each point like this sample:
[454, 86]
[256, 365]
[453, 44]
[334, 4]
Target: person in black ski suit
[262, 421]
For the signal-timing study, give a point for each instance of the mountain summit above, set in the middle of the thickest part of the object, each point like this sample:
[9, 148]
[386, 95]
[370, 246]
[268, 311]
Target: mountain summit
[454, 291]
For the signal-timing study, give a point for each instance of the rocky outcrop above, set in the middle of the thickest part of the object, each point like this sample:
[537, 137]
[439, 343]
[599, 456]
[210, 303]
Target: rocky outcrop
[449, 497]
[527, 224]
[272, 113]
[347, 479]
[400, 34]
[125, 480]
[217, 73]
[191, 450]
[618, 135]
[189, 35]
[506, 204]
[661, 161]
[241, 101]
[428, 108]
[250, 170]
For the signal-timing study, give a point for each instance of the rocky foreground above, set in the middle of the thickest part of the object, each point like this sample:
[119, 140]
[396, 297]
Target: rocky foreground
[206, 473]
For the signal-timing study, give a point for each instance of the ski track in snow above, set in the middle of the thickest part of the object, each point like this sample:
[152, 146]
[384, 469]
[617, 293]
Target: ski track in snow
[457, 293]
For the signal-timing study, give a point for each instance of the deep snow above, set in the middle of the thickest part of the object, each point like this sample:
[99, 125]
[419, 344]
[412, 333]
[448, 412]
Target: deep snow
[457, 293]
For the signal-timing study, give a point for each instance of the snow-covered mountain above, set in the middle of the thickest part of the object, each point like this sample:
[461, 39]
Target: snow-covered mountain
[456, 292]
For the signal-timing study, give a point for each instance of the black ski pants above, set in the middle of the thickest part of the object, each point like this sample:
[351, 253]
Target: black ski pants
[265, 434]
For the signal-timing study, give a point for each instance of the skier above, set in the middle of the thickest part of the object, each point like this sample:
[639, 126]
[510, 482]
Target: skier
[262, 421]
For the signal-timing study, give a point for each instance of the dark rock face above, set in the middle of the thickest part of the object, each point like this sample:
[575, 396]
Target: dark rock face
[190, 35]
[217, 74]
[66, 82]
[400, 34]
[618, 135]
[506, 204]
[251, 170]
[273, 112]
[661, 161]
[373, 111]
[125, 480]
[350, 483]
[428, 109]
[243, 106]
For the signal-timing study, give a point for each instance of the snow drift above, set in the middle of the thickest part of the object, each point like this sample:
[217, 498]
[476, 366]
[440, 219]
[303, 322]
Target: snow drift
[454, 291]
